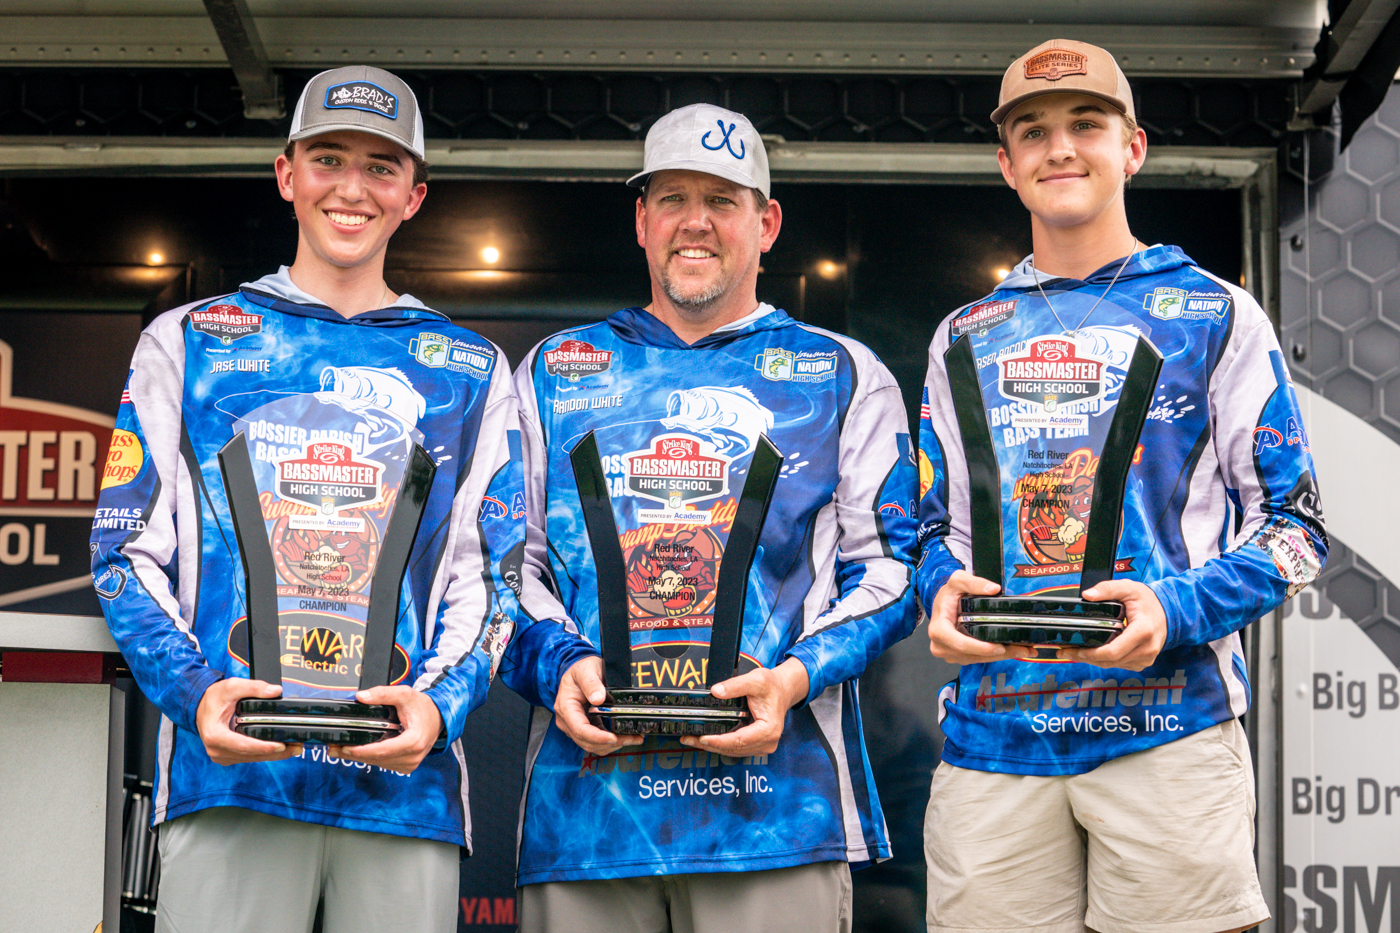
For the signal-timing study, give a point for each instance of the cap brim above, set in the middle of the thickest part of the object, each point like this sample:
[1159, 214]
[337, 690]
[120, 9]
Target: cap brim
[639, 180]
[322, 129]
[999, 114]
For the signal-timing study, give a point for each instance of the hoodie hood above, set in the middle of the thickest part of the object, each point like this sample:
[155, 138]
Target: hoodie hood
[1149, 261]
[279, 292]
[637, 325]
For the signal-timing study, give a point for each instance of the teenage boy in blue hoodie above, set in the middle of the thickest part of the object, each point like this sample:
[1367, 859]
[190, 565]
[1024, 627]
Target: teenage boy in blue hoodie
[1112, 787]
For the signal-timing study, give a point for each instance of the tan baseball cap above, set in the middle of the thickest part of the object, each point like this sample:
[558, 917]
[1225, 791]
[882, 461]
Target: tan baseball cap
[1064, 66]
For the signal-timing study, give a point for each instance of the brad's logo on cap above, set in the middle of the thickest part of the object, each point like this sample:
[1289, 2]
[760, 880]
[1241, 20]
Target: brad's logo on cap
[361, 95]
[1054, 64]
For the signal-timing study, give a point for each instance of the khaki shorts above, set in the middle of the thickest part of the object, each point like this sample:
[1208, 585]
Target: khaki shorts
[813, 898]
[1161, 841]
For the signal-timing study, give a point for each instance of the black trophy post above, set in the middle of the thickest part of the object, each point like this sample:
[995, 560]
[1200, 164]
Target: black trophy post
[632, 711]
[325, 721]
[1048, 620]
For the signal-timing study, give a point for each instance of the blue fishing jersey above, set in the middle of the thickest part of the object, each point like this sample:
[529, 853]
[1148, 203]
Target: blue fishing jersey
[831, 585]
[1221, 516]
[327, 405]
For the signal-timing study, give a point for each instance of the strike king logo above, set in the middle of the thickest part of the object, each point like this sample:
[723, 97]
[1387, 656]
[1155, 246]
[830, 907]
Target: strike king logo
[671, 579]
[678, 469]
[778, 365]
[1053, 517]
[226, 322]
[361, 95]
[574, 359]
[329, 479]
[1170, 304]
[1050, 375]
[981, 318]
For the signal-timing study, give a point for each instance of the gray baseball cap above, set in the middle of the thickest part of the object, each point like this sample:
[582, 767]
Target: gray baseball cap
[706, 138]
[363, 98]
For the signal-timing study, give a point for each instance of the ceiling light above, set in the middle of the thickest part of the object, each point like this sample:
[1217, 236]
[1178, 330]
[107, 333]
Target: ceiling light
[491, 254]
[1001, 273]
[155, 259]
[828, 269]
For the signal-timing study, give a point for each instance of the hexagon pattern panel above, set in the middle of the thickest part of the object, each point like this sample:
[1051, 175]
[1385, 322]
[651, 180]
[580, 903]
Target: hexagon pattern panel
[1340, 288]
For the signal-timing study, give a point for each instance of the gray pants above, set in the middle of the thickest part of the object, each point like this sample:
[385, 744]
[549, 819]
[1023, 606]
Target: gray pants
[812, 898]
[232, 870]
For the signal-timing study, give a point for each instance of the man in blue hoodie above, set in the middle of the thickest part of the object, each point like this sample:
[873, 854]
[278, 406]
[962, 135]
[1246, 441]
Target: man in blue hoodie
[320, 364]
[756, 828]
[1110, 788]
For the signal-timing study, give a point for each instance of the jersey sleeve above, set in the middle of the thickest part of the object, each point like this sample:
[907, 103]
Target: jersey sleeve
[549, 641]
[942, 479]
[134, 559]
[875, 499]
[473, 608]
[1265, 461]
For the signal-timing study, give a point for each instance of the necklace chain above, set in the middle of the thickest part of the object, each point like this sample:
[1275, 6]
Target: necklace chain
[1065, 330]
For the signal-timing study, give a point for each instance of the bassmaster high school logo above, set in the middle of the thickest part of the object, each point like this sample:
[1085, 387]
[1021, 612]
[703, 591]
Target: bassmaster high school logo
[677, 470]
[779, 365]
[1050, 375]
[328, 478]
[981, 318]
[226, 322]
[574, 359]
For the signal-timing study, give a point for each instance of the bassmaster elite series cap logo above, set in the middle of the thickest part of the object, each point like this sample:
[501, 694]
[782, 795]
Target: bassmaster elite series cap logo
[361, 95]
[981, 318]
[677, 469]
[226, 322]
[1051, 374]
[1171, 304]
[1054, 64]
[329, 479]
[779, 365]
[574, 359]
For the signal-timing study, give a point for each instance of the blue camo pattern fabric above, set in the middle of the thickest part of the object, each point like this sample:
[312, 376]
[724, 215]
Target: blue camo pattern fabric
[831, 586]
[275, 363]
[1221, 517]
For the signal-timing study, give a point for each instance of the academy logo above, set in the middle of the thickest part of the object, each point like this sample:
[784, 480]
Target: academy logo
[1170, 304]
[779, 365]
[677, 470]
[574, 359]
[361, 95]
[981, 318]
[226, 322]
[327, 477]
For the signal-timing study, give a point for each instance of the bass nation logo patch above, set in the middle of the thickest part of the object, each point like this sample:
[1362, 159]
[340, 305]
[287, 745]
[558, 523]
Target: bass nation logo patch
[226, 322]
[1170, 304]
[574, 359]
[779, 365]
[678, 470]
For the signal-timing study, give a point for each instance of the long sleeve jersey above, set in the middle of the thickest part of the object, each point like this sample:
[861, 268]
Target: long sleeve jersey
[831, 585]
[318, 397]
[1221, 516]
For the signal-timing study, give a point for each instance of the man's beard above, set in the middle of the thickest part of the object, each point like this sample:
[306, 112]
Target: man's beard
[698, 301]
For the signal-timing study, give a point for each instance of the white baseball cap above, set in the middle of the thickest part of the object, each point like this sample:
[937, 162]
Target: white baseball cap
[706, 138]
[363, 98]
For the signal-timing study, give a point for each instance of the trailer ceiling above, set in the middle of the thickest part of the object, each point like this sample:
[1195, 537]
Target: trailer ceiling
[1206, 38]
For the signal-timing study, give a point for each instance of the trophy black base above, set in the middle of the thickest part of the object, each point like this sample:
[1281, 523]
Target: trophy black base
[315, 721]
[1058, 621]
[669, 712]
